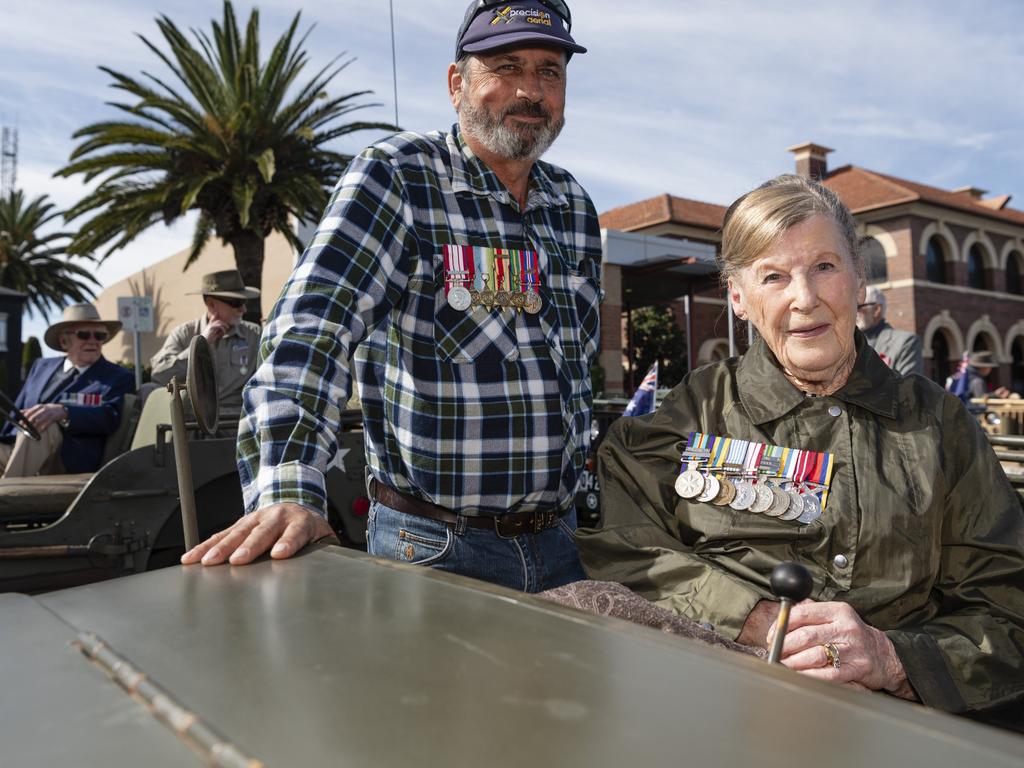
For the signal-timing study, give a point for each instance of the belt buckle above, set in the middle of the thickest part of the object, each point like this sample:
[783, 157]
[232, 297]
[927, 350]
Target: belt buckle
[543, 520]
[499, 527]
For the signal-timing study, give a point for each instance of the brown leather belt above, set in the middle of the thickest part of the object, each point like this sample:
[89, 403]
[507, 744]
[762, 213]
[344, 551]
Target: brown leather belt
[506, 525]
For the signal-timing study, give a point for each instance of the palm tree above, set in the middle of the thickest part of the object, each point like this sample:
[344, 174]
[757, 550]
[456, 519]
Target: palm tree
[231, 145]
[35, 264]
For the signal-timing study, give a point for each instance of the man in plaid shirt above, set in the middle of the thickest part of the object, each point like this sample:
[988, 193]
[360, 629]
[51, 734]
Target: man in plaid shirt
[460, 276]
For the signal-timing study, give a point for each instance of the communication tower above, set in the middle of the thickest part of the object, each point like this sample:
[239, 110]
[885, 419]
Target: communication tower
[8, 160]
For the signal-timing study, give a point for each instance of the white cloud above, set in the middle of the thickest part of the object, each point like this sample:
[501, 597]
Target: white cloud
[698, 99]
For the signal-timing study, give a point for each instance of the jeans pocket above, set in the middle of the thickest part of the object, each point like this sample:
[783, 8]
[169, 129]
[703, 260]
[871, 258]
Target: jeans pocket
[419, 549]
[371, 524]
[567, 524]
[407, 538]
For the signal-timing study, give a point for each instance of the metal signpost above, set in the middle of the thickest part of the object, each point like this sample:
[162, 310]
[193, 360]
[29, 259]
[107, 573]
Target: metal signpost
[136, 315]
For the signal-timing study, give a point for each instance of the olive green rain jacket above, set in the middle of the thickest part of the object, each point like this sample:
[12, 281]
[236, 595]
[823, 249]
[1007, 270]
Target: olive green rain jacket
[922, 533]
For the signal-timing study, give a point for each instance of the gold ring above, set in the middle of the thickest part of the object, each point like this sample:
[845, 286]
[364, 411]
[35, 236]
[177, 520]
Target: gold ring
[831, 655]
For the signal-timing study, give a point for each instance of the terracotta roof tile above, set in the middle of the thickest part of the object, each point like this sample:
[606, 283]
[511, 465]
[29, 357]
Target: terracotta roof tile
[863, 190]
[859, 188]
[663, 209]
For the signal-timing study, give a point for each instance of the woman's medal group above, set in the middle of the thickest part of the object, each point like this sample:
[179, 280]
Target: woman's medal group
[786, 483]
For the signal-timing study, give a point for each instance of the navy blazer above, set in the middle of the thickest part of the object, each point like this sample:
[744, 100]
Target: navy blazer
[94, 400]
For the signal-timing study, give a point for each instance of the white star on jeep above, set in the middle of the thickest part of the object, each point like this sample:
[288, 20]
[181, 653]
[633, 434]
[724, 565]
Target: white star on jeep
[339, 459]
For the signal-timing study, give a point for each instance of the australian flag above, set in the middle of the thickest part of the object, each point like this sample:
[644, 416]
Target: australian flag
[961, 380]
[643, 398]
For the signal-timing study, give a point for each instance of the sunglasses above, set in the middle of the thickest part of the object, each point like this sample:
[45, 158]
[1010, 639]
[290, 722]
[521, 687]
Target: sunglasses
[233, 303]
[86, 335]
[559, 8]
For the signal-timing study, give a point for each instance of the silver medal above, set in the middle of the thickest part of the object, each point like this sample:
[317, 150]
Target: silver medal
[711, 488]
[745, 496]
[533, 302]
[689, 484]
[796, 505]
[764, 499]
[459, 298]
[812, 509]
[780, 502]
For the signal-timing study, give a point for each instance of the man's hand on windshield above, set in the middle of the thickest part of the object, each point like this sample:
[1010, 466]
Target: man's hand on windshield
[283, 529]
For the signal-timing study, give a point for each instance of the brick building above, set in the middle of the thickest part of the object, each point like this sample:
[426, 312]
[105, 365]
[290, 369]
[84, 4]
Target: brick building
[951, 262]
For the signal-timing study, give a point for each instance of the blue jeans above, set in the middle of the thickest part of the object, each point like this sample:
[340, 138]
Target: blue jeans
[531, 562]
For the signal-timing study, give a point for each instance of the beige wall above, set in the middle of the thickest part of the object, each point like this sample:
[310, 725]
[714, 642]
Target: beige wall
[167, 285]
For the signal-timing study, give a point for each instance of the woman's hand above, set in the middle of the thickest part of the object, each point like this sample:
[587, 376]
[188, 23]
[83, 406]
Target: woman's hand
[865, 657]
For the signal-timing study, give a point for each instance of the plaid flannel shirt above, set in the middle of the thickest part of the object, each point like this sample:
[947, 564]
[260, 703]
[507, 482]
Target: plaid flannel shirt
[485, 411]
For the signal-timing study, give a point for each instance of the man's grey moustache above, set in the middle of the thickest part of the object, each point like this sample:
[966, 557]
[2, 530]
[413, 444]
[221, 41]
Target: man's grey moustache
[532, 111]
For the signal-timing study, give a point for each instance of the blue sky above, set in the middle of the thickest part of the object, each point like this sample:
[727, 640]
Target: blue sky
[697, 98]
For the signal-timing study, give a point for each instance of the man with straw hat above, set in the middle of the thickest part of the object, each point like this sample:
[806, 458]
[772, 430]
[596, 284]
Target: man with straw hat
[73, 401]
[234, 342]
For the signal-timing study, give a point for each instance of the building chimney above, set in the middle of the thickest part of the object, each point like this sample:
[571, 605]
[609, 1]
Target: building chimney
[811, 160]
[996, 203]
[975, 193]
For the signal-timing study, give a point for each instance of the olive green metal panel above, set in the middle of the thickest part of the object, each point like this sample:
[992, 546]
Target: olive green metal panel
[56, 708]
[157, 410]
[336, 658]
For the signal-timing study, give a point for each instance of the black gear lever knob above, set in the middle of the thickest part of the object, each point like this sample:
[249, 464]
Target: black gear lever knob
[791, 583]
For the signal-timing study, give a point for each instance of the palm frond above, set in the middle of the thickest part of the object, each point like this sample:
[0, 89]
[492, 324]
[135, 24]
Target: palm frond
[34, 262]
[244, 141]
[200, 237]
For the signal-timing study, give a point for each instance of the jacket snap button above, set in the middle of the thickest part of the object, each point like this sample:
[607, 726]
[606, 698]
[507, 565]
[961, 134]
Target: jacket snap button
[834, 410]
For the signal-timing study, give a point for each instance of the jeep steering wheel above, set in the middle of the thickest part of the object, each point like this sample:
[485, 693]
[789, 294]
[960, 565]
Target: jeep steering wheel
[17, 418]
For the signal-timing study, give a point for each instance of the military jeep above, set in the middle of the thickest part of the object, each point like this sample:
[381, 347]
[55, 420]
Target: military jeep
[64, 530]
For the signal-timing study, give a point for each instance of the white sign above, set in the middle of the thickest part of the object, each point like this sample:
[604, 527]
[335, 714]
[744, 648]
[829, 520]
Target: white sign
[135, 313]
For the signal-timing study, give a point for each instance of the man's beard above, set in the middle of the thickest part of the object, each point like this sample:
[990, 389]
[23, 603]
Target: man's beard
[527, 142]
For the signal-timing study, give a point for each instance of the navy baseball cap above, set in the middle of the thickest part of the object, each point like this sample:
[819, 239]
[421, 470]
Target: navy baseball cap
[490, 25]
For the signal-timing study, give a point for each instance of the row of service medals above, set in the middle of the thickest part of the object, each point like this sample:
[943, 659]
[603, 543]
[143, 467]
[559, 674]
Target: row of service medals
[785, 483]
[491, 277]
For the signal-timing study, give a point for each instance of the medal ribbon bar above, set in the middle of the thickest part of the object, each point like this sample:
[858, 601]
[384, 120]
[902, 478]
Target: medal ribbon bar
[810, 471]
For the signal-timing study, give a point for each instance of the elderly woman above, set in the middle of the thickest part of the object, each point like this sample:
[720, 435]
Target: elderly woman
[918, 554]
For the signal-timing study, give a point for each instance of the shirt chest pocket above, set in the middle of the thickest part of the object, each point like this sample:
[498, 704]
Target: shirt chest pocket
[477, 335]
[480, 335]
[577, 298]
[240, 356]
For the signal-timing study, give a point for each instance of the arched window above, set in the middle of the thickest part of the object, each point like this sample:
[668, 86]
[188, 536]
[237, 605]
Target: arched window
[941, 368]
[935, 261]
[1017, 366]
[876, 269]
[1013, 274]
[976, 277]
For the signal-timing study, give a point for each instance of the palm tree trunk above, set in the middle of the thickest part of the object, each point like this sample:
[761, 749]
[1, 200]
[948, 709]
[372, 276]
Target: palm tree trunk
[249, 249]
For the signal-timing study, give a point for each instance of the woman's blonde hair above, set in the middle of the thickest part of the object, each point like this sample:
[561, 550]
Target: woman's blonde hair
[757, 220]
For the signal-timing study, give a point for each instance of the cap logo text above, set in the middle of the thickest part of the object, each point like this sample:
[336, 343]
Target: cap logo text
[530, 15]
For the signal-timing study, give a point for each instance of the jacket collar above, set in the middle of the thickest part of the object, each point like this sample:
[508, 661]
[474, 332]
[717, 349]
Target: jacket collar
[471, 175]
[67, 366]
[767, 395]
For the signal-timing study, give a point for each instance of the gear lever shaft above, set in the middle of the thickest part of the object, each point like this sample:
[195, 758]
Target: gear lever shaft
[791, 583]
